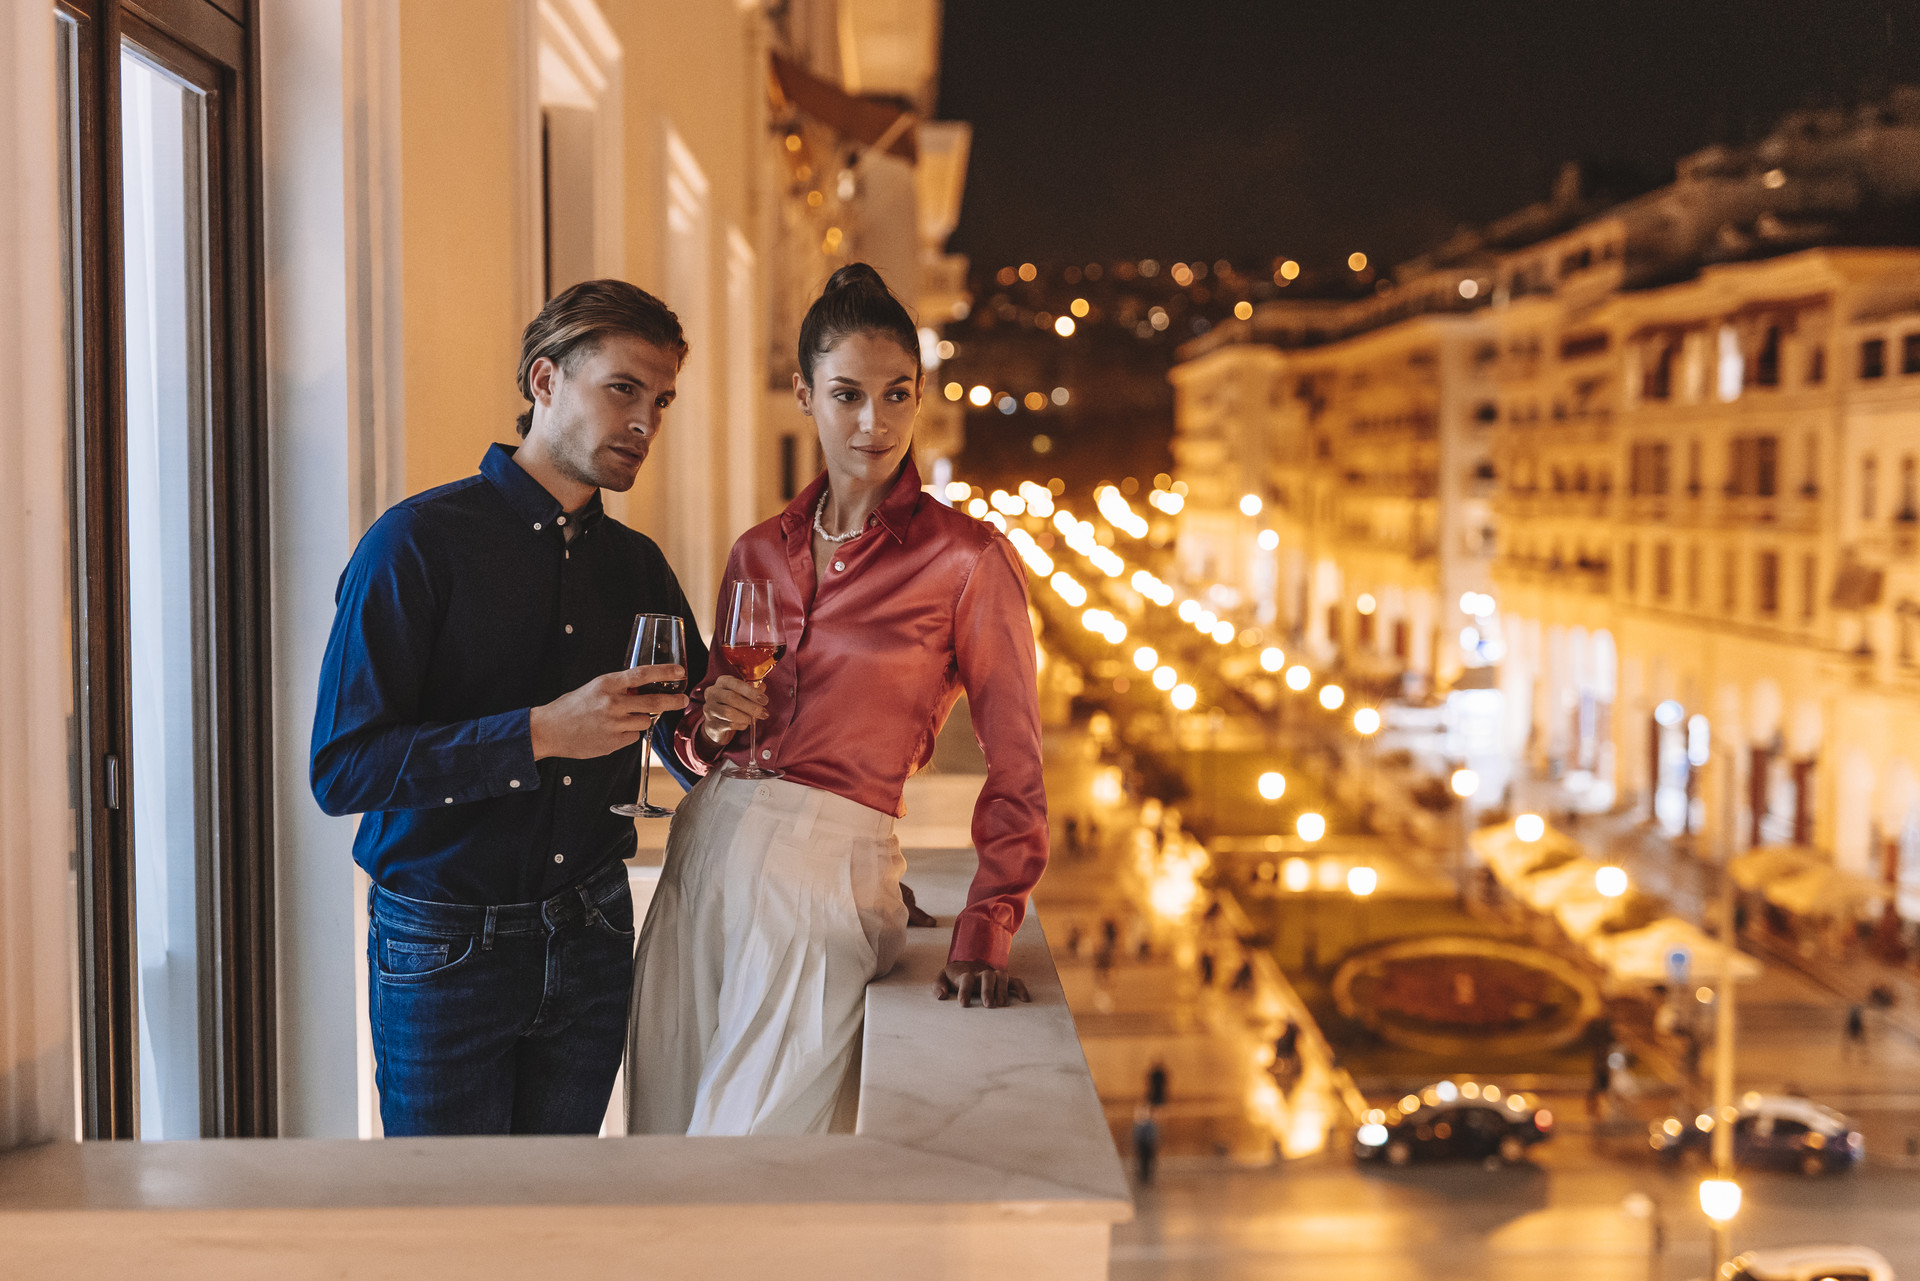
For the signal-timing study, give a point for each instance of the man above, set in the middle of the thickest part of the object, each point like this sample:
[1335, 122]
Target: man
[474, 705]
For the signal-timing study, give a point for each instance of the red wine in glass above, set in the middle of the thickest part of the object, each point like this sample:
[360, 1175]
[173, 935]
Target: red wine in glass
[751, 642]
[657, 639]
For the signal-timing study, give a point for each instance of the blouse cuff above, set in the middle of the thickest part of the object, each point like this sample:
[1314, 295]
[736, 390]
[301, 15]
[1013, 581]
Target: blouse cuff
[977, 939]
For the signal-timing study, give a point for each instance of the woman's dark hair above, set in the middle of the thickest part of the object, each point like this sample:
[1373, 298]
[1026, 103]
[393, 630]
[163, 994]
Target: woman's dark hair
[569, 329]
[855, 301]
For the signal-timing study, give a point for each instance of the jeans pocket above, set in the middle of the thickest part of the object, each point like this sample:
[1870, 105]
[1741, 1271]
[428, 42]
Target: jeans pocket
[615, 916]
[418, 960]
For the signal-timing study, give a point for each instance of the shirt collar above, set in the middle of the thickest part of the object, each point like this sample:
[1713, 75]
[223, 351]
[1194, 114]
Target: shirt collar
[527, 497]
[894, 513]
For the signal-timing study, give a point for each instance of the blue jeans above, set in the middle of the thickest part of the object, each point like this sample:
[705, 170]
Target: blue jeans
[500, 1020]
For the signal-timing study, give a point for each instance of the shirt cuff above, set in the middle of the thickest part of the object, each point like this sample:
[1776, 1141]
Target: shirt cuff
[510, 767]
[975, 938]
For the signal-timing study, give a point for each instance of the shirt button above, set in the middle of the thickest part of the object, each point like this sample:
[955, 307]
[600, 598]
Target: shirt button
[560, 520]
[449, 800]
[536, 524]
[513, 782]
[762, 792]
[559, 858]
[766, 753]
[569, 629]
[566, 780]
[839, 564]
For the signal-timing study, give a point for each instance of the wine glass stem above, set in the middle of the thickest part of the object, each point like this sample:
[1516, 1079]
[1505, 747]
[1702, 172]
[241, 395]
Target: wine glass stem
[646, 764]
[753, 737]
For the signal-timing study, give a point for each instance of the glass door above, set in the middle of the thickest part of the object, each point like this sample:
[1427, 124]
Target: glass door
[167, 482]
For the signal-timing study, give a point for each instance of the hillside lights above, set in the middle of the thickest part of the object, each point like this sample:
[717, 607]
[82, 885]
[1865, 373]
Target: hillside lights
[1272, 785]
[1331, 696]
[1529, 827]
[1298, 677]
[1271, 659]
[1165, 678]
[1366, 721]
[1146, 658]
[1310, 826]
[1068, 590]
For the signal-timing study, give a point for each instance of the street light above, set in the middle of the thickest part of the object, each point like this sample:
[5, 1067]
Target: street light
[1529, 827]
[1298, 677]
[1250, 505]
[1362, 881]
[1146, 658]
[1184, 697]
[1272, 786]
[1272, 659]
[1610, 881]
[1464, 783]
[1720, 1201]
[1331, 696]
[1366, 721]
[1310, 826]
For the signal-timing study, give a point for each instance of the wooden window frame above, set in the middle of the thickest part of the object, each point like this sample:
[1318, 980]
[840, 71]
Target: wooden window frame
[215, 48]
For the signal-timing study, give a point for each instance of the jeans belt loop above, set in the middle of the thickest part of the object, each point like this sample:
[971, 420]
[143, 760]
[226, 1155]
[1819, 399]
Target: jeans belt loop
[486, 931]
[588, 907]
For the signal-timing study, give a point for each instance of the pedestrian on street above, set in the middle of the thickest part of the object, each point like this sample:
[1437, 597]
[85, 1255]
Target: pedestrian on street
[1157, 1084]
[1602, 1080]
[1855, 1045]
[1146, 1141]
[1206, 969]
[1243, 977]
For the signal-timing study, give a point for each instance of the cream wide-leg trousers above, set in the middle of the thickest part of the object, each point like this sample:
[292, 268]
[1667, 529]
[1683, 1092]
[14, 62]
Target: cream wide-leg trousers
[776, 905]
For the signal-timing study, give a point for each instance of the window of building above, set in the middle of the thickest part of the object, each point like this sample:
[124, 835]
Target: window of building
[1693, 467]
[1662, 571]
[1648, 474]
[1869, 487]
[1910, 353]
[1632, 573]
[1873, 358]
[1909, 498]
[1766, 583]
[1657, 381]
[1693, 574]
[1754, 470]
[1729, 580]
[1816, 365]
[1766, 365]
[1809, 586]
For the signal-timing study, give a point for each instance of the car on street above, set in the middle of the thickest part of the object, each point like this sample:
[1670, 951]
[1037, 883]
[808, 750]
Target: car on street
[1454, 1121]
[1808, 1263]
[1771, 1131]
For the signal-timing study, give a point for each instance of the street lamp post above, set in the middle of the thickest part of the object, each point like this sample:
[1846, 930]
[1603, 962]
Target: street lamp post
[1464, 783]
[1725, 1198]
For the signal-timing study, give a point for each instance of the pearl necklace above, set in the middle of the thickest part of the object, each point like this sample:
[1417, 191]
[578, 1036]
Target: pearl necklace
[819, 510]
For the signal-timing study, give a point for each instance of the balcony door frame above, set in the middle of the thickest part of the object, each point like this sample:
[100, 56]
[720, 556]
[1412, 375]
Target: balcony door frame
[214, 48]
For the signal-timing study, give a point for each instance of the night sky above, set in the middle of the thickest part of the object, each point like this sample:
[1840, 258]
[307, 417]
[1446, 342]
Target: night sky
[1185, 129]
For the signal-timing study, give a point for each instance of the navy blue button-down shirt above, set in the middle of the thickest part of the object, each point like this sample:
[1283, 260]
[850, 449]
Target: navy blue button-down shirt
[461, 610]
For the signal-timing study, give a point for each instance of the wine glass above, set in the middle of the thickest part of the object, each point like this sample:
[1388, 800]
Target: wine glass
[658, 639]
[751, 642]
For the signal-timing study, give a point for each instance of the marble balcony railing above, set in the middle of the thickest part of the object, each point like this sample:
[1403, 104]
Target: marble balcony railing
[980, 1151]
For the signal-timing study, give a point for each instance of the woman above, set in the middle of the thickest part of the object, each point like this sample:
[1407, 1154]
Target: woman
[780, 899]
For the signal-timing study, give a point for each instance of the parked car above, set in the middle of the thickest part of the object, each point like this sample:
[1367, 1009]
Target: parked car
[1779, 1131]
[1809, 1263]
[1454, 1121]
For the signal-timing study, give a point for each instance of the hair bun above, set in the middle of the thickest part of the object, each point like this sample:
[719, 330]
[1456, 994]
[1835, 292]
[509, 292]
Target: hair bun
[856, 275]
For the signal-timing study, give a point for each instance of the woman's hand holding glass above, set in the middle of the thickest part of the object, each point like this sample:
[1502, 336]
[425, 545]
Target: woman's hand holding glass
[731, 705]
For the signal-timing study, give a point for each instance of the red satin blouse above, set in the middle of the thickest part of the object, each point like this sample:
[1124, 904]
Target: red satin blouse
[924, 603]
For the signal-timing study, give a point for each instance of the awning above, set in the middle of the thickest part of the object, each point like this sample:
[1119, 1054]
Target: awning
[1640, 956]
[1511, 858]
[1824, 891]
[1755, 869]
[875, 122]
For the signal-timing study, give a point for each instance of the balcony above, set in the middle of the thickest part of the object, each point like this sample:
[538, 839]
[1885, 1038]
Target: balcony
[980, 1151]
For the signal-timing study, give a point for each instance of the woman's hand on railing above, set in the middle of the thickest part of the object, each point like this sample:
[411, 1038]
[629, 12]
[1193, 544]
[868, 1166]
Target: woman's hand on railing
[968, 979]
[916, 916]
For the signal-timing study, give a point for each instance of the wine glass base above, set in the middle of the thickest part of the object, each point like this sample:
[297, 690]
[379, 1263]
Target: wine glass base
[753, 771]
[641, 811]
